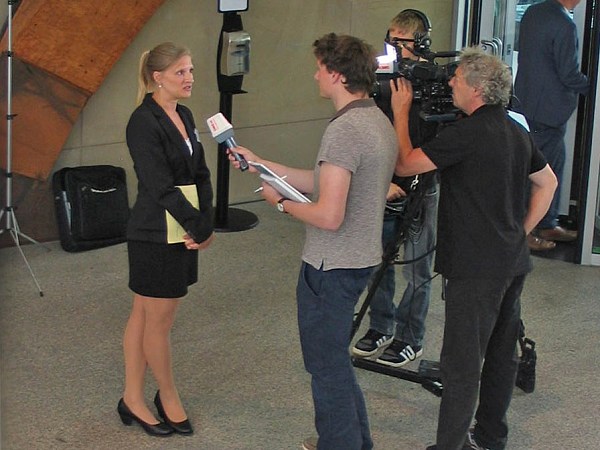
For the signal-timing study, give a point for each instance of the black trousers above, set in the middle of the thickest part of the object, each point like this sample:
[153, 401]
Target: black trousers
[479, 358]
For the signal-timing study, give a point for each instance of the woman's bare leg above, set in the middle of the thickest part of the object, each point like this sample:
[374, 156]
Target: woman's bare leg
[159, 318]
[135, 361]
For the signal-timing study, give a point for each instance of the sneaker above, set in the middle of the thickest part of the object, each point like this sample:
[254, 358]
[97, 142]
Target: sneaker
[471, 443]
[371, 343]
[310, 443]
[399, 354]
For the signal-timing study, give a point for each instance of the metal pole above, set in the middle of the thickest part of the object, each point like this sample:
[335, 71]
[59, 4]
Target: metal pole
[9, 118]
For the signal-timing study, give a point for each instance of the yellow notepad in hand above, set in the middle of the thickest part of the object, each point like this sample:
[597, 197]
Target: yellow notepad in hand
[175, 231]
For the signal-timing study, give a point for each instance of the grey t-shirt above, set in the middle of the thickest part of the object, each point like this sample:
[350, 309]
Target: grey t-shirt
[360, 139]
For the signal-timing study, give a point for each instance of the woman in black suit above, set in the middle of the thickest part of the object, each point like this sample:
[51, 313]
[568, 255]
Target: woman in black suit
[166, 152]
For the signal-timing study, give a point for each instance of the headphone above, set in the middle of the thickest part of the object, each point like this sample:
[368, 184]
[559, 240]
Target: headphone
[424, 19]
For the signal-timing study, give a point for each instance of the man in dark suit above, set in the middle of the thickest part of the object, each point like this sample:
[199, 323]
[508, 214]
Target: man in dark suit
[547, 87]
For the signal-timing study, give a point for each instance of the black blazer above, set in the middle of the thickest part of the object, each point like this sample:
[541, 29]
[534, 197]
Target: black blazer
[162, 160]
[548, 79]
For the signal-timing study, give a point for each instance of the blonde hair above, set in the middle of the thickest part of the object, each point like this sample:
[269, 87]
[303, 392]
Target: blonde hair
[157, 60]
[409, 22]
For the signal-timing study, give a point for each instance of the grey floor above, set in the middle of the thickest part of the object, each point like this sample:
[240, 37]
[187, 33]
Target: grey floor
[237, 357]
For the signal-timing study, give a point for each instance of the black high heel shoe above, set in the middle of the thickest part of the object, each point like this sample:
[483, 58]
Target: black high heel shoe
[183, 427]
[127, 417]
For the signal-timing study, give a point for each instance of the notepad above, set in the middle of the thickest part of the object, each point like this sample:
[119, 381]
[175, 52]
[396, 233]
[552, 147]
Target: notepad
[279, 183]
[175, 231]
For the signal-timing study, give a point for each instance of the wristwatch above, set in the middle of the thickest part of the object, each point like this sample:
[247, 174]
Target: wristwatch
[280, 207]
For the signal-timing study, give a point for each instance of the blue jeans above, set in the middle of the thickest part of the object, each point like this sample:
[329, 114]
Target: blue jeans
[326, 301]
[409, 316]
[551, 142]
[479, 356]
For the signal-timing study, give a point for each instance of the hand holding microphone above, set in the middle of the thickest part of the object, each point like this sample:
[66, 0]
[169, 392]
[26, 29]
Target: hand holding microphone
[222, 131]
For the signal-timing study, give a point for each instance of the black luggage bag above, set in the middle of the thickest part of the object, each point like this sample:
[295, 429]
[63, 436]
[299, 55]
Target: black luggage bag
[91, 206]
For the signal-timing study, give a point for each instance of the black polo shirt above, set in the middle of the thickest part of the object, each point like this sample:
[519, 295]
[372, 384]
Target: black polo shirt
[484, 162]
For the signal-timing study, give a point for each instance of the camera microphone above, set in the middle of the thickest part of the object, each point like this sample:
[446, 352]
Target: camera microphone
[222, 132]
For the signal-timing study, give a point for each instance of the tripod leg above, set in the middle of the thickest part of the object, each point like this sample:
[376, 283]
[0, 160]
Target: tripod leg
[13, 226]
[30, 239]
[15, 233]
[372, 288]
[18, 245]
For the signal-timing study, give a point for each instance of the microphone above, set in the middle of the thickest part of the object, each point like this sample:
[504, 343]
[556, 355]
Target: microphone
[222, 132]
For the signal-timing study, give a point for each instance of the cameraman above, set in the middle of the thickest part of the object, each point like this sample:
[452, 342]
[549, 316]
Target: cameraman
[486, 162]
[404, 326]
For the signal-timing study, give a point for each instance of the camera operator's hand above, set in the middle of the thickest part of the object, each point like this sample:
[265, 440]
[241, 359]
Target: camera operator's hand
[402, 95]
[247, 154]
[394, 192]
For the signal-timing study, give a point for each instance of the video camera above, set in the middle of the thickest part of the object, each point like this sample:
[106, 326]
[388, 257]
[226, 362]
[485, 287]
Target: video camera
[429, 80]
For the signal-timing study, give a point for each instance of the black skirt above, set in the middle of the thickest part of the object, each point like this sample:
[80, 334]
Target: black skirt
[161, 270]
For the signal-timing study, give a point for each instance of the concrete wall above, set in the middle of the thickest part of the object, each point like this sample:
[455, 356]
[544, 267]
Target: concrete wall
[281, 117]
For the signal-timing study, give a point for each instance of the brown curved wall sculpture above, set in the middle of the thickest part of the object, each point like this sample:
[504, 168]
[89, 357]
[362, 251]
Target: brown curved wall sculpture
[62, 51]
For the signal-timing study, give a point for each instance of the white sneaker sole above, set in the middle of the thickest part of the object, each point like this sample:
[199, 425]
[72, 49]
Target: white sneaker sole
[399, 364]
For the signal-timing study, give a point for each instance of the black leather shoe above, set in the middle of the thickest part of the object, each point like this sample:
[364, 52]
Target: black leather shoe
[127, 417]
[183, 427]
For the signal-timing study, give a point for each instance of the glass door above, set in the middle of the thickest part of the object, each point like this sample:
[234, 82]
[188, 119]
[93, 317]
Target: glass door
[590, 249]
[498, 33]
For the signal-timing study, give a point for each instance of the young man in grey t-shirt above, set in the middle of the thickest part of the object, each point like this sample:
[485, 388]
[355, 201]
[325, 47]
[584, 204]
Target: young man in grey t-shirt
[343, 233]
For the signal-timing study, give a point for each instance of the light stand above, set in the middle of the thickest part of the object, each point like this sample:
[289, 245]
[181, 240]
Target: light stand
[12, 226]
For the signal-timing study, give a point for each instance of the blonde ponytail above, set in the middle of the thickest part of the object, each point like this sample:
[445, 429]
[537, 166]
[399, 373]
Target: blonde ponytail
[143, 82]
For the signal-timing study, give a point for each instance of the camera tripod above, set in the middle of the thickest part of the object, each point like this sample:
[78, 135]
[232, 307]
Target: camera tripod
[428, 373]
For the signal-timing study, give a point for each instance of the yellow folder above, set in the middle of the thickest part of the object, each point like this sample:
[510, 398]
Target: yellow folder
[175, 231]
